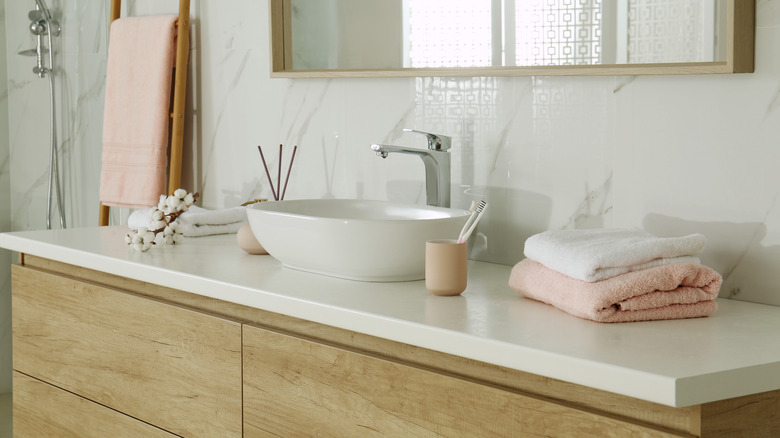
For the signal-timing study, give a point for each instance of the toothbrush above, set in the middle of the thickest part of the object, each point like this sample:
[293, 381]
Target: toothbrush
[470, 218]
[471, 223]
[473, 215]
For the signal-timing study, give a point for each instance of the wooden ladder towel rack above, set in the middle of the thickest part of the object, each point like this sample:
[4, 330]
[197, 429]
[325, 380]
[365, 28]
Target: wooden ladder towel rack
[179, 94]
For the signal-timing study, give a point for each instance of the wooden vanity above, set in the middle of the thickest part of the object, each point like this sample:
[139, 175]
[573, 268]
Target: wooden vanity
[108, 342]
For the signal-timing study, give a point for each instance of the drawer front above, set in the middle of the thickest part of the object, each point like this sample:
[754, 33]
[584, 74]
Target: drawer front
[294, 387]
[171, 367]
[43, 410]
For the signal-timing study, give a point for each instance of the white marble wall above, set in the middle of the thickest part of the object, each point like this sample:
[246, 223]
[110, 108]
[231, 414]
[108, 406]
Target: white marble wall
[672, 154]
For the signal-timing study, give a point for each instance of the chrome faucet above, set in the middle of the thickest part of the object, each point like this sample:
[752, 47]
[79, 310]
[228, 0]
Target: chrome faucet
[437, 165]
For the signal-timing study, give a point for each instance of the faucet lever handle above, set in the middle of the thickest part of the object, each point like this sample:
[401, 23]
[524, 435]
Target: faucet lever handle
[436, 142]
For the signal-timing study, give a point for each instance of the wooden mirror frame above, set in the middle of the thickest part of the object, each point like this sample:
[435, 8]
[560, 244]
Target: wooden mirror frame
[739, 55]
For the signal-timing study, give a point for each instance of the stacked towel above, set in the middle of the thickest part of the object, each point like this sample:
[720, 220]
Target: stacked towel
[197, 221]
[141, 53]
[598, 254]
[617, 275]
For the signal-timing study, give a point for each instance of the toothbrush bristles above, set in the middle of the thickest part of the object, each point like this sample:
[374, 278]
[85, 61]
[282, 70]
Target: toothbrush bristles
[474, 213]
[480, 210]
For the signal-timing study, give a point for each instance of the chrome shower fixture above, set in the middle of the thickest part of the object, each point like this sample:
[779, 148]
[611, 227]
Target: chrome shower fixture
[42, 24]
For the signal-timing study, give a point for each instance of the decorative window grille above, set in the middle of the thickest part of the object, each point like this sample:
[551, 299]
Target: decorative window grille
[558, 32]
[481, 33]
[670, 31]
[449, 33]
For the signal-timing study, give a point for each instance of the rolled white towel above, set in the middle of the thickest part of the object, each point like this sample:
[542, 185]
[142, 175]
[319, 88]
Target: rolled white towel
[201, 216]
[140, 218]
[197, 221]
[598, 254]
[192, 230]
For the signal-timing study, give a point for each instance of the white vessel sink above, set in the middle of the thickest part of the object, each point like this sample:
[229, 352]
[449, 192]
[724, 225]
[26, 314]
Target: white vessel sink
[353, 239]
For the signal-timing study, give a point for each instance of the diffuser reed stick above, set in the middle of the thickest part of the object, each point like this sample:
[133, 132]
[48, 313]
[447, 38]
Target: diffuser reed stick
[267, 173]
[278, 192]
[279, 174]
[287, 179]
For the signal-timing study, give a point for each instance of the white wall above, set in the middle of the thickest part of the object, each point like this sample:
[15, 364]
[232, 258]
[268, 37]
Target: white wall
[673, 154]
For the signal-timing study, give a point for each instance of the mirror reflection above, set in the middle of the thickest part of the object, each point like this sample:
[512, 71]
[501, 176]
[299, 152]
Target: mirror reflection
[392, 34]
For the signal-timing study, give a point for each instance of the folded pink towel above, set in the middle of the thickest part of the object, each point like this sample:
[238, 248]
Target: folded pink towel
[141, 53]
[664, 292]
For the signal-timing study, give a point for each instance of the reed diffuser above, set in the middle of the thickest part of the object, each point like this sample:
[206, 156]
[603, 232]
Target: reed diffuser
[278, 192]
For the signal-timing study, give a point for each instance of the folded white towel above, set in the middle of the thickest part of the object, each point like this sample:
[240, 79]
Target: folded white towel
[200, 216]
[598, 254]
[192, 230]
[197, 221]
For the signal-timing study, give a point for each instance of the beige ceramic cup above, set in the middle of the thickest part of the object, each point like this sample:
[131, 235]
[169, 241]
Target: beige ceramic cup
[446, 267]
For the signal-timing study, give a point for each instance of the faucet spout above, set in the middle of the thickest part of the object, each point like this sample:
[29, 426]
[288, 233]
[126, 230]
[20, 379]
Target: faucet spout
[437, 171]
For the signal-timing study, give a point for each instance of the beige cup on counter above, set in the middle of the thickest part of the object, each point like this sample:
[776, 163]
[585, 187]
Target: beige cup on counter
[446, 267]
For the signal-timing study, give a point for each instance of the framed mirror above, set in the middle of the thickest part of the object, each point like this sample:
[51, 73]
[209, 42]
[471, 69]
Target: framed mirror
[397, 38]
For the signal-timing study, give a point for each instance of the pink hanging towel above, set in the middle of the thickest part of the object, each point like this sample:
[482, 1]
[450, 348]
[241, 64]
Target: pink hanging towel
[141, 54]
[665, 292]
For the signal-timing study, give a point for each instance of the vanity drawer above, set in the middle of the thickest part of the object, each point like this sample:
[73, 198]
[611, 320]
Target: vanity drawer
[168, 366]
[42, 410]
[296, 387]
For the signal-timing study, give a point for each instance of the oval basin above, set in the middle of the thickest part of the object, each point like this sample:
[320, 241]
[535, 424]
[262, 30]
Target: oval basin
[353, 239]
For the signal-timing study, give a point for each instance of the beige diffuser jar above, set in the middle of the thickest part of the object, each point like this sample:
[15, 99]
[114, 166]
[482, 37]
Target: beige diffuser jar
[446, 267]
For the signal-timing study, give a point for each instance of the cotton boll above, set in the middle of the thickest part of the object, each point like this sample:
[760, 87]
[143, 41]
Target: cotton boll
[180, 193]
[172, 203]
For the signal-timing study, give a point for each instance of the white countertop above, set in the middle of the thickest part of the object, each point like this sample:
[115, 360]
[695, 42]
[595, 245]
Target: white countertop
[732, 353]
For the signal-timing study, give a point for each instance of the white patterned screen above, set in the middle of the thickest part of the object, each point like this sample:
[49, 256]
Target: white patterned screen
[669, 31]
[558, 32]
[462, 33]
[449, 33]
[484, 33]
